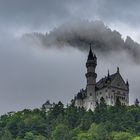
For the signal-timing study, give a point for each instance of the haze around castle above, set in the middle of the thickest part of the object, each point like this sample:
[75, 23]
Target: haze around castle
[32, 71]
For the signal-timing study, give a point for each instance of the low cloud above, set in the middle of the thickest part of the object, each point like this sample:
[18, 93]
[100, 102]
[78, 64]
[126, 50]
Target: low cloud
[79, 34]
[52, 66]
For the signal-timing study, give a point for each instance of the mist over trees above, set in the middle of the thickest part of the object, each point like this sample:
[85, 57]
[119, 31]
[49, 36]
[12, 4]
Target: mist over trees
[80, 33]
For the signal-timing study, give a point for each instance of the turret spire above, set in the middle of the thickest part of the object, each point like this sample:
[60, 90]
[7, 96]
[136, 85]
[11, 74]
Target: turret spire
[90, 55]
[108, 74]
[127, 83]
[118, 70]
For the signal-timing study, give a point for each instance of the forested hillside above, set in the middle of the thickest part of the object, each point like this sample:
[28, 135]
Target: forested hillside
[69, 123]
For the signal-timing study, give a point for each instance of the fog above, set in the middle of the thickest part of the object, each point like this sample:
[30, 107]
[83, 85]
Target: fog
[51, 64]
[31, 74]
[80, 33]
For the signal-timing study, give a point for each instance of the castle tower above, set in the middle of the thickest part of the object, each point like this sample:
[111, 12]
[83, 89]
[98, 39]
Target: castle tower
[110, 87]
[91, 80]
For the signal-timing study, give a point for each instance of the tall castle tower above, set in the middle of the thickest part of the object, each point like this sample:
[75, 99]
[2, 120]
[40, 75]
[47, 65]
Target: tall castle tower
[91, 79]
[111, 87]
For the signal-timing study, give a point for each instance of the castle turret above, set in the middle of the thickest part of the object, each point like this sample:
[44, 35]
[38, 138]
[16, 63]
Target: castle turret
[127, 84]
[110, 88]
[91, 79]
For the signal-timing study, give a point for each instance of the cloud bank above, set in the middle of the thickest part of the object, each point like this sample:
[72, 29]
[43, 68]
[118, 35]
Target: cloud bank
[79, 34]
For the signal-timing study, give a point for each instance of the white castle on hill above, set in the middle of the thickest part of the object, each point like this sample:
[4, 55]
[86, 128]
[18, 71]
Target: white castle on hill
[110, 87]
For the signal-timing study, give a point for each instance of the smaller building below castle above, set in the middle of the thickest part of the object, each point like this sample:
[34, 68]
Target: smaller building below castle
[47, 106]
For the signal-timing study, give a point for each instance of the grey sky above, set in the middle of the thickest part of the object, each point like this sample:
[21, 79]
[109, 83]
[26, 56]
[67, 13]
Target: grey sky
[29, 75]
[45, 14]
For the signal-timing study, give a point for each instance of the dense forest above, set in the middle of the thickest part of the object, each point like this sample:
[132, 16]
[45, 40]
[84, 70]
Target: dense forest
[71, 123]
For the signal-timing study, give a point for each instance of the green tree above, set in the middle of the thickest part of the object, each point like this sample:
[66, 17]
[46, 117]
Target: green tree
[86, 120]
[83, 136]
[121, 136]
[136, 138]
[56, 110]
[61, 132]
[74, 133]
[98, 132]
[118, 103]
[100, 113]
[72, 116]
[31, 136]
[7, 135]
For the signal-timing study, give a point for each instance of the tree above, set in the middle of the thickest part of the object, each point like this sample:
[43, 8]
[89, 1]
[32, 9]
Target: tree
[72, 116]
[7, 135]
[118, 103]
[61, 132]
[137, 102]
[31, 136]
[103, 103]
[137, 138]
[83, 136]
[57, 110]
[98, 132]
[74, 133]
[86, 120]
[121, 136]
[100, 113]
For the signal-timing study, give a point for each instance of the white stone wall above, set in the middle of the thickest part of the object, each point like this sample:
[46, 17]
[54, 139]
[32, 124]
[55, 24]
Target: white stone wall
[110, 95]
[79, 103]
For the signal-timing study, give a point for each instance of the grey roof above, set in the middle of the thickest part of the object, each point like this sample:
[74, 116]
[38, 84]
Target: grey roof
[81, 95]
[103, 82]
[99, 85]
[91, 56]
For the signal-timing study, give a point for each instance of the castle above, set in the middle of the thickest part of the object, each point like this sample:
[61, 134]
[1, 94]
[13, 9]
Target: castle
[111, 87]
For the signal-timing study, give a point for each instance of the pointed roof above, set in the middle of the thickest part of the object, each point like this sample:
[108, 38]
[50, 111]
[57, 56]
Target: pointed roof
[108, 74]
[90, 55]
[102, 83]
[118, 69]
[127, 83]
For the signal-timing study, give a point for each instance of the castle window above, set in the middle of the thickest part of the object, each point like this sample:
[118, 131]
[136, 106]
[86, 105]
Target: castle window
[90, 94]
[113, 90]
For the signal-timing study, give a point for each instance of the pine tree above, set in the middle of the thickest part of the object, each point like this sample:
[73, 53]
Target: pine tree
[137, 102]
[118, 103]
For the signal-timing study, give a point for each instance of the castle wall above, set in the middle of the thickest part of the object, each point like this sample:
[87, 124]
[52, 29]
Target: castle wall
[110, 95]
[110, 88]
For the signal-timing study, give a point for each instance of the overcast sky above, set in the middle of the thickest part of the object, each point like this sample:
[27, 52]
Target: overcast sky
[29, 74]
